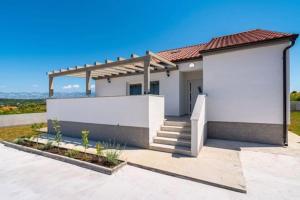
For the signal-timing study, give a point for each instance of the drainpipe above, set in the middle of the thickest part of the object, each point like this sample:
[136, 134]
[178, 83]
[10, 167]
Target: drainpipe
[285, 130]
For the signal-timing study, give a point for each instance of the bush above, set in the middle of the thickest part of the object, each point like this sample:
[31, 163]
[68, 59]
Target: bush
[47, 146]
[112, 156]
[19, 141]
[295, 96]
[112, 153]
[72, 153]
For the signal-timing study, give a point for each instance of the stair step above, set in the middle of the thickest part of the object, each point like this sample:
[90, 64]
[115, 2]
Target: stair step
[171, 149]
[176, 128]
[170, 134]
[172, 141]
[177, 123]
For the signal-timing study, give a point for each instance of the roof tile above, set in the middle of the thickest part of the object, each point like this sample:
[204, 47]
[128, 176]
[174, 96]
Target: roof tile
[234, 40]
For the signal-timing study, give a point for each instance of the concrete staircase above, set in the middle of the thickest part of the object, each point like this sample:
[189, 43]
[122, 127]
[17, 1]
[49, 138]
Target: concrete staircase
[174, 137]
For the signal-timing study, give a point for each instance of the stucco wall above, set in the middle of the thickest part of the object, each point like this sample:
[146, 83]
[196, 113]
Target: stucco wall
[245, 85]
[169, 87]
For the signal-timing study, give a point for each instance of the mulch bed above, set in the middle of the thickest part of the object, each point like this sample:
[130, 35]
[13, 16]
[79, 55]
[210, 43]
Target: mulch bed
[78, 155]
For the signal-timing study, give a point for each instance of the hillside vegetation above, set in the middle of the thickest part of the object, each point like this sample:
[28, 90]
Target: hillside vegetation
[295, 96]
[19, 106]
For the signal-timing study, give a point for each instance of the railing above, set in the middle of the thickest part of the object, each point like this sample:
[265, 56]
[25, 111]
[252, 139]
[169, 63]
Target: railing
[199, 125]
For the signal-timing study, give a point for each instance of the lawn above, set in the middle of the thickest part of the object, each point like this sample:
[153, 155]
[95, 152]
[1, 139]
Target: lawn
[295, 122]
[13, 132]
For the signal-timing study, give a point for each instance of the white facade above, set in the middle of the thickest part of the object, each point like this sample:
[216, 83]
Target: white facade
[245, 85]
[172, 87]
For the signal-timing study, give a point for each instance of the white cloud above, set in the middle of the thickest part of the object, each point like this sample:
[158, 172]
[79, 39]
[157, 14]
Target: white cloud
[92, 86]
[67, 87]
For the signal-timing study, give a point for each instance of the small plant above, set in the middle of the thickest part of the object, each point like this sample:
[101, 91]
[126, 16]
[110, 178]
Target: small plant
[112, 156]
[19, 141]
[72, 153]
[99, 150]
[112, 153]
[47, 146]
[35, 128]
[57, 130]
[85, 140]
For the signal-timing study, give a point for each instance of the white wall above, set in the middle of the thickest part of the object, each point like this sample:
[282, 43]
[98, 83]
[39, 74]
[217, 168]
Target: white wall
[245, 85]
[123, 110]
[168, 87]
[156, 116]
[199, 125]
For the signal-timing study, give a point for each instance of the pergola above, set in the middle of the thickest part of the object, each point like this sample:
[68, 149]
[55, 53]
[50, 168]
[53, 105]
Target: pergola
[135, 65]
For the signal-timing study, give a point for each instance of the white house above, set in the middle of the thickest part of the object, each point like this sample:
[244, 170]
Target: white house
[233, 87]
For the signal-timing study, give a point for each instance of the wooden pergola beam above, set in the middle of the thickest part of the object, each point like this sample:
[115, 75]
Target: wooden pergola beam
[161, 58]
[101, 66]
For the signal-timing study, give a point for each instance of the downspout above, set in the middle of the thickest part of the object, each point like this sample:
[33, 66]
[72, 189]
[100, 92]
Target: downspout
[285, 130]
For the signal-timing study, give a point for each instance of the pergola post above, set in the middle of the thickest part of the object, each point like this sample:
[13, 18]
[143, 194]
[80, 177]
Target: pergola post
[147, 74]
[88, 83]
[51, 90]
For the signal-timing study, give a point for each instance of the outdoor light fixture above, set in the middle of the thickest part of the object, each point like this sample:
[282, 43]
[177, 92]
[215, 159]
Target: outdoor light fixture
[191, 65]
[168, 73]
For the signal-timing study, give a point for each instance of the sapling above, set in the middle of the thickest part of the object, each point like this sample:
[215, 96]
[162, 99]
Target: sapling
[57, 130]
[99, 150]
[85, 140]
[35, 127]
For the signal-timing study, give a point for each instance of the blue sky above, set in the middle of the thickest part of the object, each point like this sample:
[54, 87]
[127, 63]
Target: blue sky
[39, 36]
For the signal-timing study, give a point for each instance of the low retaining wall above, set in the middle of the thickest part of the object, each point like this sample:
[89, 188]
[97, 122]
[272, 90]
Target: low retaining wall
[295, 105]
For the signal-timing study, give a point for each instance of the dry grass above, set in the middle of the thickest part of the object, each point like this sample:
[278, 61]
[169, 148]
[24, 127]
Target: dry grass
[295, 122]
[13, 132]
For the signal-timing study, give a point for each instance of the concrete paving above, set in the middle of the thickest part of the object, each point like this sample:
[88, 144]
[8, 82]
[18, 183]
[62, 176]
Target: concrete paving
[269, 175]
[22, 119]
[215, 166]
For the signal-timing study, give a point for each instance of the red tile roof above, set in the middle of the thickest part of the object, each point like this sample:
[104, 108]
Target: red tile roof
[228, 41]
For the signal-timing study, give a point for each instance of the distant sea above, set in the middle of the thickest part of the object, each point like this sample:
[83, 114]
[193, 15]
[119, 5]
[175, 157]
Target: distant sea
[39, 95]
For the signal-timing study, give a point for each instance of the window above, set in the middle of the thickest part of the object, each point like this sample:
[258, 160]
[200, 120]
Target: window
[154, 87]
[135, 89]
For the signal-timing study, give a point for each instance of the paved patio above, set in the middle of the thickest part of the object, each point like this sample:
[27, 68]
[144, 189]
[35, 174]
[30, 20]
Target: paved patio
[270, 173]
[215, 166]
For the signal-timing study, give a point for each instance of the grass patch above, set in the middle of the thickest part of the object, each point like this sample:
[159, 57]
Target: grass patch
[295, 122]
[13, 132]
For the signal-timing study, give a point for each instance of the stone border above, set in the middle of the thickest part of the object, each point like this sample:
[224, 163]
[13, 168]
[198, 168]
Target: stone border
[72, 161]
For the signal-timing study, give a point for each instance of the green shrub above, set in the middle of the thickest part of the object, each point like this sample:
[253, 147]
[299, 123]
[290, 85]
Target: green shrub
[19, 141]
[47, 146]
[99, 150]
[112, 156]
[85, 139]
[57, 130]
[72, 153]
[295, 96]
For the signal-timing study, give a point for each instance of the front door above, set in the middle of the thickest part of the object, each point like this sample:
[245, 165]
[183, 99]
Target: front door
[194, 88]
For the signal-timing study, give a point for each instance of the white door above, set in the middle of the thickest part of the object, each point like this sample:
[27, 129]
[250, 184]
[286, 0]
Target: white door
[194, 88]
